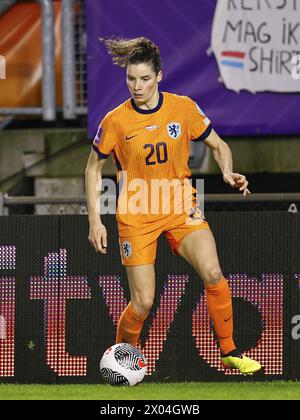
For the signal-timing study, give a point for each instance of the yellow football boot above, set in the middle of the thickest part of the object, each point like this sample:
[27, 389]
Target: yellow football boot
[244, 364]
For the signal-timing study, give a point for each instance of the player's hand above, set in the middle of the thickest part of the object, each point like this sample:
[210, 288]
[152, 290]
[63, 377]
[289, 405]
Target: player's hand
[98, 237]
[237, 181]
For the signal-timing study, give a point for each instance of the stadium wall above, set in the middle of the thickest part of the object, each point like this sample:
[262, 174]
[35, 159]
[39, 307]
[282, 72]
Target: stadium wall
[60, 301]
[53, 149]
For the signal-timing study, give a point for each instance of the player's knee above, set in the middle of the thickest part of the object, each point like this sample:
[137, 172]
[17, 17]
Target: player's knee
[212, 275]
[146, 303]
[143, 304]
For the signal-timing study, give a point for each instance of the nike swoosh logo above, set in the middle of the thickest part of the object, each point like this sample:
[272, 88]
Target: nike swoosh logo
[226, 320]
[131, 137]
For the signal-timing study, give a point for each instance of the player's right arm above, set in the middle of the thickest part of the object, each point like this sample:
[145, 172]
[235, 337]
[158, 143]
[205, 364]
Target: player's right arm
[93, 178]
[103, 144]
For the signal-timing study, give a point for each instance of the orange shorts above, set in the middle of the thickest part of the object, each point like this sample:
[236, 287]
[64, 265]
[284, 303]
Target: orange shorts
[140, 250]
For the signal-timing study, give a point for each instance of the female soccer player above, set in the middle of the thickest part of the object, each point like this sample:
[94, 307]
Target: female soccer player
[149, 137]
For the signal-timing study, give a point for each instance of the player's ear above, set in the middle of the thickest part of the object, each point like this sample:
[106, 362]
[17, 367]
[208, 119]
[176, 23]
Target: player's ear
[159, 76]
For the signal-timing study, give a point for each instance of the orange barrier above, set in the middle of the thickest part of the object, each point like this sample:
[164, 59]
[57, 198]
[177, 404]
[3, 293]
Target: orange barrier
[21, 46]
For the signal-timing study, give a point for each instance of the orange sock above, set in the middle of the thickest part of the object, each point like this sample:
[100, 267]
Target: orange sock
[218, 299]
[129, 326]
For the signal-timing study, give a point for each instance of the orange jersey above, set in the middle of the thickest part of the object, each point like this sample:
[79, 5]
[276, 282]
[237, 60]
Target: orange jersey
[150, 149]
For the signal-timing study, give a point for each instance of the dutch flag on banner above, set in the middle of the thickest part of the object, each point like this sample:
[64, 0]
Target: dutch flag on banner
[235, 59]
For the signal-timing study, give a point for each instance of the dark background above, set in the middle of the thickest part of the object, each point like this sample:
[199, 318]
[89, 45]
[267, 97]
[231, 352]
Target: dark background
[252, 243]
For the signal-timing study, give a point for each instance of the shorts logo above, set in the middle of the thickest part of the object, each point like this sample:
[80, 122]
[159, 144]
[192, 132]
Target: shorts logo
[174, 130]
[126, 248]
[196, 217]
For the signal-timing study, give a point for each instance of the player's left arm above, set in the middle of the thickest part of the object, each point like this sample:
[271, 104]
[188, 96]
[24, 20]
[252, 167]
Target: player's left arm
[223, 157]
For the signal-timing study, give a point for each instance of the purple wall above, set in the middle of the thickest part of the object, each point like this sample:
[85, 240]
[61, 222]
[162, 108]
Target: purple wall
[182, 29]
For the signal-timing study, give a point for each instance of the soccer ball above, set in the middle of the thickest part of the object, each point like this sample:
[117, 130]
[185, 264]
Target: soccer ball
[123, 365]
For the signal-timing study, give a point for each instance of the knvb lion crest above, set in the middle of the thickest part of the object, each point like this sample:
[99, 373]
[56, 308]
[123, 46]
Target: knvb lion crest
[174, 130]
[126, 249]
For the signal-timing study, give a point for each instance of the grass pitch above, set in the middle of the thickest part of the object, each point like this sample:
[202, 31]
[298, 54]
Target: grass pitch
[277, 390]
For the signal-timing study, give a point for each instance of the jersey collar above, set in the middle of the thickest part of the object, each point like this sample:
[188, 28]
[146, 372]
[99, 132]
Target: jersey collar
[148, 111]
